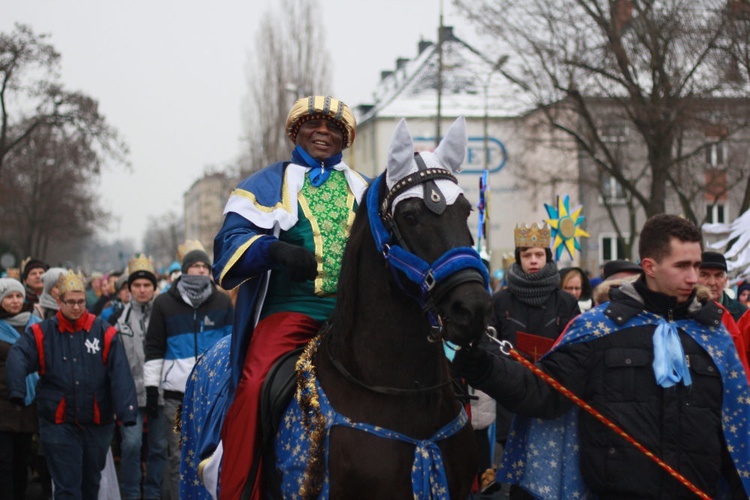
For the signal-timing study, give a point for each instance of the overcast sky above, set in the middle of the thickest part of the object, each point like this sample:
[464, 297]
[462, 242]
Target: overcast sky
[169, 75]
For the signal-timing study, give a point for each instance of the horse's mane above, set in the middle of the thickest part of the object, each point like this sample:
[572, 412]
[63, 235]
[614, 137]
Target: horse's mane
[347, 293]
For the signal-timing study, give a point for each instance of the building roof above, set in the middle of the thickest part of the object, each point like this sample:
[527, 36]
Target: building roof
[411, 89]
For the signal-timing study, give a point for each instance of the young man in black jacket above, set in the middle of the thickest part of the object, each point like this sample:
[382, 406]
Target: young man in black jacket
[655, 361]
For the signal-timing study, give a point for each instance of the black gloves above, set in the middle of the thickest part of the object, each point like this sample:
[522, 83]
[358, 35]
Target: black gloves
[18, 402]
[473, 364]
[299, 261]
[152, 401]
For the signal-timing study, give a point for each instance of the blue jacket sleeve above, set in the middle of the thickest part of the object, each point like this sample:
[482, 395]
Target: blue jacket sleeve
[23, 359]
[240, 251]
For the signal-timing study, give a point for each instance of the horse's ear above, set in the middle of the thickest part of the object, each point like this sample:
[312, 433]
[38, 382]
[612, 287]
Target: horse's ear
[400, 155]
[452, 149]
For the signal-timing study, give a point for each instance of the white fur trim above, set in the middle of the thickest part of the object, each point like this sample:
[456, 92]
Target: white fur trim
[286, 216]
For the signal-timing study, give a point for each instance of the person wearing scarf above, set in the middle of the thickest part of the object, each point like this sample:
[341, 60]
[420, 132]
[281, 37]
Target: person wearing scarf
[280, 246]
[656, 361]
[17, 424]
[47, 305]
[532, 311]
[185, 321]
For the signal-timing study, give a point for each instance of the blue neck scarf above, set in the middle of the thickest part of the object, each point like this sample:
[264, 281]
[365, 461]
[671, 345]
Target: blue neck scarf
[321, 170]
[549, 449]
[669, 357]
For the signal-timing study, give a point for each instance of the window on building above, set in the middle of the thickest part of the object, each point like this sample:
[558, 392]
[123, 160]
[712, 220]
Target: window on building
[612, 191]
[610, 248]
[715, 154]
[716, 213]
[614, 132]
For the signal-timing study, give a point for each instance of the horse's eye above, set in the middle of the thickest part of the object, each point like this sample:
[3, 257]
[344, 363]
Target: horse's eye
[410, 218]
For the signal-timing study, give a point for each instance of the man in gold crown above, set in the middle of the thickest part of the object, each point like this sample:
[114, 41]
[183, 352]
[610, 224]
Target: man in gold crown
[132, 324]
[281, 243]
[532, 310]
[84, 384]
[533, 302]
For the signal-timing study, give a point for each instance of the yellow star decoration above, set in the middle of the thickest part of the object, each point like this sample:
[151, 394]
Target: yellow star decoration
[565, 226]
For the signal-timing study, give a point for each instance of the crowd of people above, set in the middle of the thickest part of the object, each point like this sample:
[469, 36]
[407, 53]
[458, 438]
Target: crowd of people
[93, 363]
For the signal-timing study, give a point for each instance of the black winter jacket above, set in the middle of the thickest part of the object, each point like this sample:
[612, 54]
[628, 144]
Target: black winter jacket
[510, 315]
[682, 425]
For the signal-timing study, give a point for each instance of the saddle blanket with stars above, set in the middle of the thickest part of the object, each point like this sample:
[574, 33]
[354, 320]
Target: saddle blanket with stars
[542, 455]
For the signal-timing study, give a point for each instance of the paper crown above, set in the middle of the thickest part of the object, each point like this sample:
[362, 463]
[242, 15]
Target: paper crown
[187, 247]
[71, 281]
[141, 263]
[533, 236]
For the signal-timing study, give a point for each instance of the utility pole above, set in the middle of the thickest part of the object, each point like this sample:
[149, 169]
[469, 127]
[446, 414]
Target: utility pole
[438, 116]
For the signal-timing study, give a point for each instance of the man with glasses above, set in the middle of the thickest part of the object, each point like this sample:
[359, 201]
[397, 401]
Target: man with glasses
[84, 383]
[185, 321]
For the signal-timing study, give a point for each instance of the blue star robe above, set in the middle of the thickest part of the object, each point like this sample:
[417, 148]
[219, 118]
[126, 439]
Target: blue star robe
[542, 455]
[262, 206]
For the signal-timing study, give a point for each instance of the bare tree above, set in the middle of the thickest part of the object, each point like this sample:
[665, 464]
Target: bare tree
[163, 235]
[46, 195]
[289, 61]
[605, 71]
[31, 96]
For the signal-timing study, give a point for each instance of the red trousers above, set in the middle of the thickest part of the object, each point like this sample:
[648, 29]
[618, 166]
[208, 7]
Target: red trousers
[274, 336]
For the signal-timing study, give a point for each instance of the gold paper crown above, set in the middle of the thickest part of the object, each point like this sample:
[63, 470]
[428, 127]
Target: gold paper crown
[141, 263]
[71, 281]
[533, 236]
[188, 247]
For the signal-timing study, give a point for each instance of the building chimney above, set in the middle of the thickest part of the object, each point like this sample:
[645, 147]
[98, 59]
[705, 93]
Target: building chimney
[385, 74]
[423, 44]
[447, 32]
[401, 62]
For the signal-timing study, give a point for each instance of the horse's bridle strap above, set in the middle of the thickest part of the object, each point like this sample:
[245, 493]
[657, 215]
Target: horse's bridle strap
[412, 180]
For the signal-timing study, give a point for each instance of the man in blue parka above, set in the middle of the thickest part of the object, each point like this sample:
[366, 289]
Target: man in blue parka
[85, 382]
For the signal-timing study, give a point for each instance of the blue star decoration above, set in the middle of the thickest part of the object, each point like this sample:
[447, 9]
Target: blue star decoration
[565, 226]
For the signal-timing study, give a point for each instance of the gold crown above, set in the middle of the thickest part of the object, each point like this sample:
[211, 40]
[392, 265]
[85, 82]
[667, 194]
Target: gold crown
[141, 263]
[71, 281]
[187, 247]
[533, 236]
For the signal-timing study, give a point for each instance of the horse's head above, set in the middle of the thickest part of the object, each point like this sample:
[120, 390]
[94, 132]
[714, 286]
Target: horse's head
[424, 234]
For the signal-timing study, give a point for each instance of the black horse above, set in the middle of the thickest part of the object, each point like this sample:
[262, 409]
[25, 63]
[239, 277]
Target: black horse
[382, 363]
[376, 413]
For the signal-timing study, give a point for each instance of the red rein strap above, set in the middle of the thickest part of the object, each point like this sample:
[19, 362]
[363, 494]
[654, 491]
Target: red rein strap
[578, 401]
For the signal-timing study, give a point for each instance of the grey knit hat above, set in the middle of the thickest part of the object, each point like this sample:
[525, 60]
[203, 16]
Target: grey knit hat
[50, 277]
[10, 285]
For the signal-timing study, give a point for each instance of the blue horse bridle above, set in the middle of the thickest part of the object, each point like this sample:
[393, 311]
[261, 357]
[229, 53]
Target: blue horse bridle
[456, 266]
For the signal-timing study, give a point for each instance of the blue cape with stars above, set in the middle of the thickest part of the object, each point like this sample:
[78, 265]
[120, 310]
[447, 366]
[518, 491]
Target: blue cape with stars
[542, 455]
